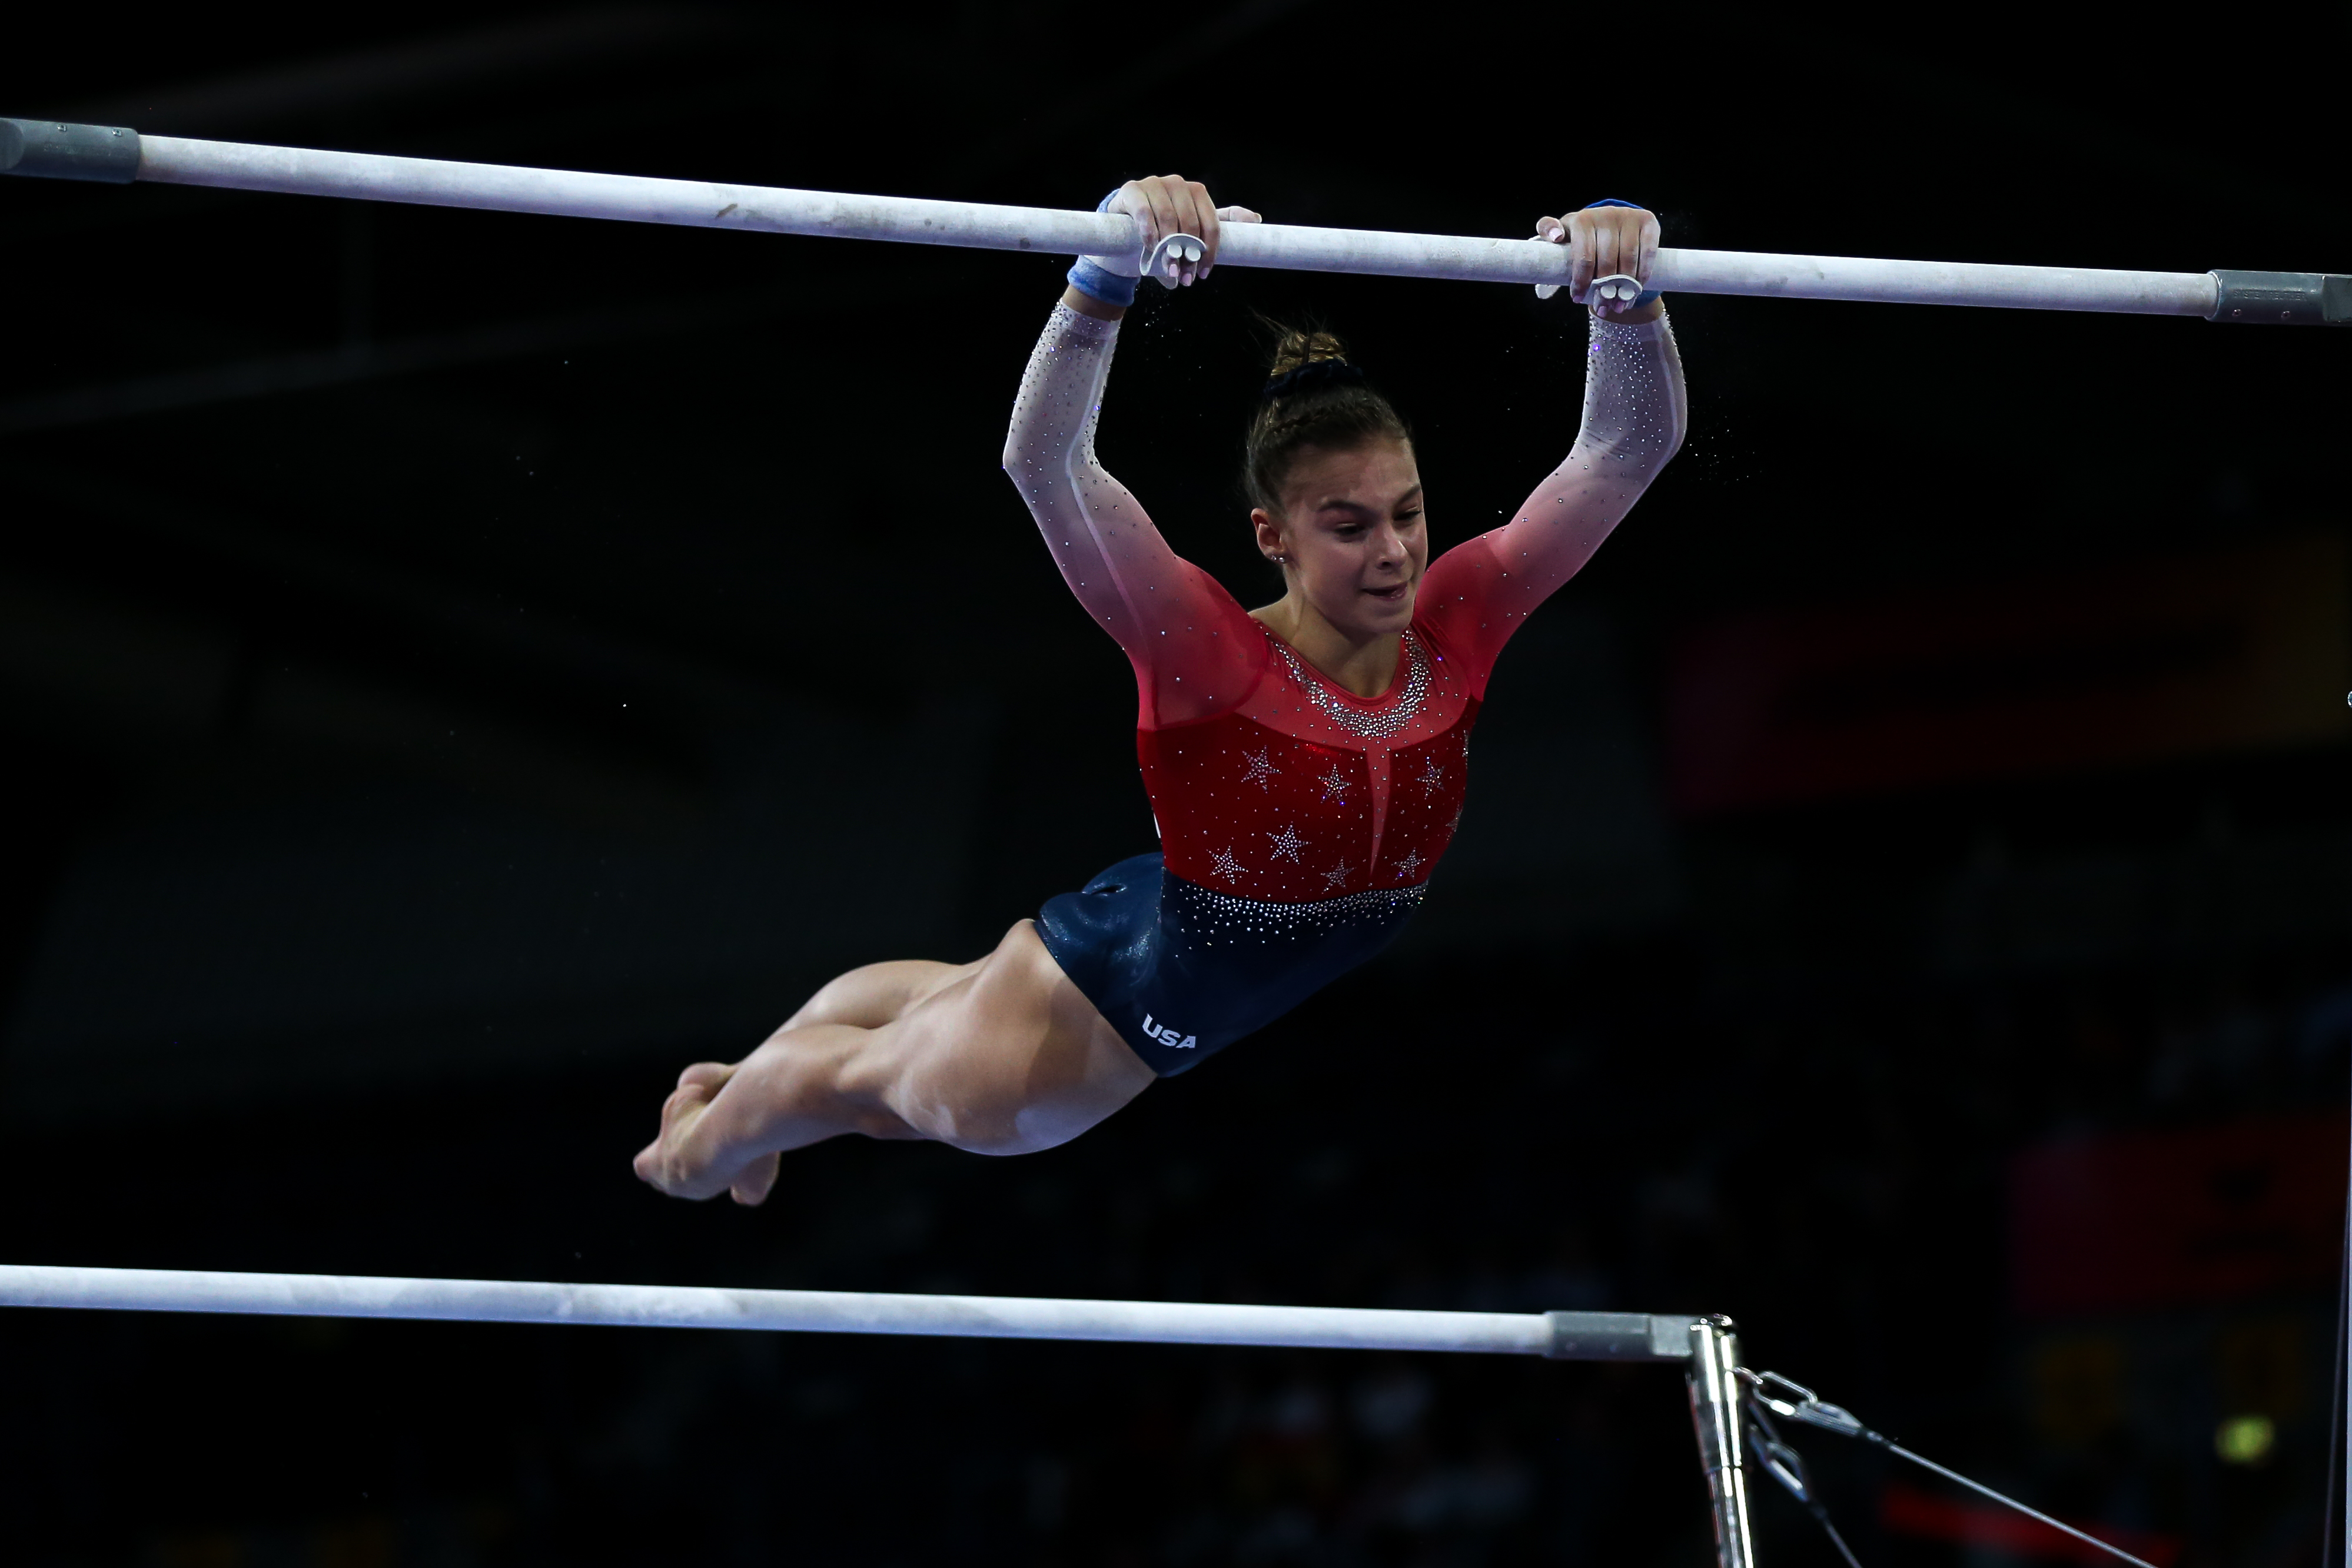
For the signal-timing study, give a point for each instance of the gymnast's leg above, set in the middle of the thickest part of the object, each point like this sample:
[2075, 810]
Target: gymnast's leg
[1002, 1057]
[875, 993]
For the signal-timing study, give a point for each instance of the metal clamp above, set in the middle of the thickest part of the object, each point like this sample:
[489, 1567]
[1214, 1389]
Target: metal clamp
[2282, 299]
[53, 150]
[1806, 1407]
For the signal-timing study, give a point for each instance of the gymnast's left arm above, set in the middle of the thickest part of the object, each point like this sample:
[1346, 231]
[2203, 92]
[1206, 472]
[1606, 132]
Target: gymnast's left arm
[1635, 411]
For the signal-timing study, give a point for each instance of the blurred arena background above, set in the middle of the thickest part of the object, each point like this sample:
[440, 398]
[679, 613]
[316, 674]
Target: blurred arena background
[456, 669]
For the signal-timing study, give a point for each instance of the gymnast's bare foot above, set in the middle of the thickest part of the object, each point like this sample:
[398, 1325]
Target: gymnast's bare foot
[683, 1166]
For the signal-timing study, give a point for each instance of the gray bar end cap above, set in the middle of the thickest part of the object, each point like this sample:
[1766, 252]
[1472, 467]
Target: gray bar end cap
[1620, 1336]
[53, 150]
[2282, 299]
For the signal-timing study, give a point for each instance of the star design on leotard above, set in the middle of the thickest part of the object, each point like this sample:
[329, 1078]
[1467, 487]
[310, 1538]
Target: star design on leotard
[1409, 865]
[1335, 784]
[1260, 768]
[1222, 864]
[1430, 776]
[1455, 825]
[1338, 875]
[1287, 844]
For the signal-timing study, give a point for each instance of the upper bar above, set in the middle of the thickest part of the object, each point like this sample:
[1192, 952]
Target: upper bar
[69, 152]
[1568, 1336]
[629, 198]
[633, 198]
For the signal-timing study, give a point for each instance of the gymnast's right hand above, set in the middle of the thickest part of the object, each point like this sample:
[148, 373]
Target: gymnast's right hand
[1169, 203]
[1606, 242]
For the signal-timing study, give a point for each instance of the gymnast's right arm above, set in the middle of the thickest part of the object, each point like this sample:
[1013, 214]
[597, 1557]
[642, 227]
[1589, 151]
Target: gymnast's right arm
[1108, 552]
[1163, 611]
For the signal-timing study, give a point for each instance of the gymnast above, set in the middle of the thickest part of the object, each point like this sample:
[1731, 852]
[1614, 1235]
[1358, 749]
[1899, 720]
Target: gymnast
[1305, 761]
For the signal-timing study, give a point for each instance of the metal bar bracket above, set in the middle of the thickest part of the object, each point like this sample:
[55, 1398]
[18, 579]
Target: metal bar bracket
[1715, 1414]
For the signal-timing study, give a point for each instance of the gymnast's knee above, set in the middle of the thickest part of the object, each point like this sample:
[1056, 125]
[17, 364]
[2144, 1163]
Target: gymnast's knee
[1014, 1061]
[874, 994]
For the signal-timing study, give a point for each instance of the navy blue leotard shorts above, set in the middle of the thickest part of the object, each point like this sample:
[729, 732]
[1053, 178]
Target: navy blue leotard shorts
[1181, 971]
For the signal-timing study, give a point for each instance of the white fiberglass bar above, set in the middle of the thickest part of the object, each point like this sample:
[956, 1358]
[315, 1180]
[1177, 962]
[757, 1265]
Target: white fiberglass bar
[1584, 1336]
[635, 199]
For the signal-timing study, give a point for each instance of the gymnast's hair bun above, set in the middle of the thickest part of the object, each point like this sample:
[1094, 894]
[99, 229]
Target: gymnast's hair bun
[1295, 349]
[1313, 397]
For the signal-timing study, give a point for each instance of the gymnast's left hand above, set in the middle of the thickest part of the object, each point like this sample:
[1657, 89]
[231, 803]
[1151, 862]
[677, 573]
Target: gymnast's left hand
[1606, 242]
[1170, 204]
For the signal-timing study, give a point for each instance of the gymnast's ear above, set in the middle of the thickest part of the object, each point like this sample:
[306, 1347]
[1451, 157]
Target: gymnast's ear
[1271, 543]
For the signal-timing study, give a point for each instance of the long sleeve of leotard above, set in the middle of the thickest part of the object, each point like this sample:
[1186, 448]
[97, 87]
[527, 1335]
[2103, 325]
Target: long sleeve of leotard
[1183, 633]
[1479, 592]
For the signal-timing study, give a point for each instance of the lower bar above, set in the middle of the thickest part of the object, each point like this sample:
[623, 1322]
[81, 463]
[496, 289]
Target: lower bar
[1572, 1336]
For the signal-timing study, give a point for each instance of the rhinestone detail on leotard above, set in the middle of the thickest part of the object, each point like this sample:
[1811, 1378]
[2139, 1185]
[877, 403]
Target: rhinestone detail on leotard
[1233, 920]
[1380, 723]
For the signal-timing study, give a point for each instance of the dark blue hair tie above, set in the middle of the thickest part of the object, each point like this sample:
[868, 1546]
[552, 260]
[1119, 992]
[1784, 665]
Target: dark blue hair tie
[1312, 374]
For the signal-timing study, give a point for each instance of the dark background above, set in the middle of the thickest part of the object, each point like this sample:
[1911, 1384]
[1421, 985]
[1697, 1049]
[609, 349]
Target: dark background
[457, 669]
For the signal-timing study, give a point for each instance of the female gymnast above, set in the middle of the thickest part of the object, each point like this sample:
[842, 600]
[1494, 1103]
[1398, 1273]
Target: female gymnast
[1305, 761]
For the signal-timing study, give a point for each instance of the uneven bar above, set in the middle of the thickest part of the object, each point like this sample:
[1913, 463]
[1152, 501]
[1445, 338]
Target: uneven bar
[60, 151]
[1565, 1336]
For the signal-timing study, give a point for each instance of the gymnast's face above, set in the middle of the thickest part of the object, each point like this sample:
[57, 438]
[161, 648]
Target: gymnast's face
[1351, 540]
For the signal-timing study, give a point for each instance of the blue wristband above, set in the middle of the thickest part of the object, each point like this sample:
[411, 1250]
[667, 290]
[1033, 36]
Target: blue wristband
[1646, 295]
[1098, 282]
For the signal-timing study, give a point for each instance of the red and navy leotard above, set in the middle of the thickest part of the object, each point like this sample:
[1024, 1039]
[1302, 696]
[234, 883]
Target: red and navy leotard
[1298, 823]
